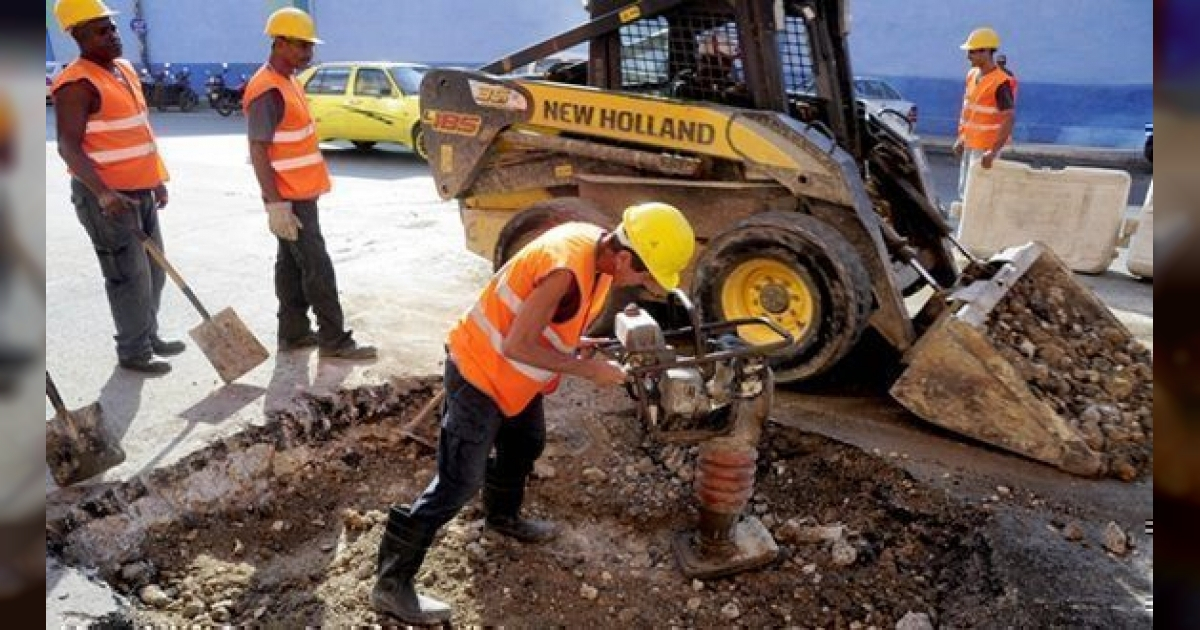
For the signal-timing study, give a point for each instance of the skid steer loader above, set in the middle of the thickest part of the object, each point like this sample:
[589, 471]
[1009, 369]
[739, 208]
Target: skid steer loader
[809, 210]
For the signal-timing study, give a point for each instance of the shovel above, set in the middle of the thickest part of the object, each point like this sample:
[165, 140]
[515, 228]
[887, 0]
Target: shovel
[409, 430]
[77, 446]
[229, 345]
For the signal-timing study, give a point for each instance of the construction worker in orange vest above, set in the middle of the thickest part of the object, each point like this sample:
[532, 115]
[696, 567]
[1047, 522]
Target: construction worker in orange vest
[291, 173]
[989, 103]
[504, 354]
[117, 177]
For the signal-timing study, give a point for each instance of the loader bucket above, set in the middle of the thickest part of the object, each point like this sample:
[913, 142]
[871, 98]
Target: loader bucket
[1030, 361]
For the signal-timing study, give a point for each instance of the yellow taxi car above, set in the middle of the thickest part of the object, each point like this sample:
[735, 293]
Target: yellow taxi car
[367, 102]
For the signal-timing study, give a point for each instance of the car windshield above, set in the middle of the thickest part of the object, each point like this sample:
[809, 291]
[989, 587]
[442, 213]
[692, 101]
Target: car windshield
[408, 77]
[868, 88]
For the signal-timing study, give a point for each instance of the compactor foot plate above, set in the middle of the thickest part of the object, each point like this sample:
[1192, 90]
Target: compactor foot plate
[752, 548]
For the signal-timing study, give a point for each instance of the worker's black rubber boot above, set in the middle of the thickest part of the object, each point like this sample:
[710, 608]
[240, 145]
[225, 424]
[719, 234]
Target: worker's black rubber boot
[502, 503]
[401, 553]
[164, 348]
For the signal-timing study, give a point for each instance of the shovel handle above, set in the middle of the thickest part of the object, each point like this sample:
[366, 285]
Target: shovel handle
[53, 395]
[409, 430]
[159, 258]
[67, 421]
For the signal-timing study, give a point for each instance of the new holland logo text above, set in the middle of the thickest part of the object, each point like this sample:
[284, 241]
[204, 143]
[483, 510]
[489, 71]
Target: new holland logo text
[453, 122]
[496, 96]
[630, 122]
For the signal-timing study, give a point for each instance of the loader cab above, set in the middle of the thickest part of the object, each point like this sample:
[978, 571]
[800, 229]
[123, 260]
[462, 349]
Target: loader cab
[788, 56]
[776, 55]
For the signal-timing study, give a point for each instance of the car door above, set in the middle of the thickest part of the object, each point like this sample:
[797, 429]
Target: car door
[373, 107]
[326, 90]
[407, 79]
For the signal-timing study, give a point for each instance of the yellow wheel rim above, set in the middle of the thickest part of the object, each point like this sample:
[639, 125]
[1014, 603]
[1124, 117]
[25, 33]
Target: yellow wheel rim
[768, 288]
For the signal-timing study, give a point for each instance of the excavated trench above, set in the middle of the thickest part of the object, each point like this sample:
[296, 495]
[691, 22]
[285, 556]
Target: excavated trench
[279, 525]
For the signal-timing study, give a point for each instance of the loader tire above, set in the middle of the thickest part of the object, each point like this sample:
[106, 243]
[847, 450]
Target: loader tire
[531, 222]
[797, 271]
[418, 142]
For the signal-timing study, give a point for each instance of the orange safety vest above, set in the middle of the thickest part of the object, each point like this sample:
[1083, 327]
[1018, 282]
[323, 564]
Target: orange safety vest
[118, 138]
[979, 124]
[300, 171]
[476, 342]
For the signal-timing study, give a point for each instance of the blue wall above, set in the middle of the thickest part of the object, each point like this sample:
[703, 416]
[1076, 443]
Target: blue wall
[1086, 66]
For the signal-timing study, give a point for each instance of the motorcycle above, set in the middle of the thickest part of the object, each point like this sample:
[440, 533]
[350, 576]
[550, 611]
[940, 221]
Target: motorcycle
[174, 90]
[221, 97]
[147, 86]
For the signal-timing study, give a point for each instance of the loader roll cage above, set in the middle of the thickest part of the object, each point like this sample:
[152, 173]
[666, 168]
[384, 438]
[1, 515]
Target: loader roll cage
[786, 56]
[774, 55]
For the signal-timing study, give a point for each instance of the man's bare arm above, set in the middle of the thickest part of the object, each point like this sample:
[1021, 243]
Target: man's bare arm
[263, 171]
[1006, 127]
[72, 105]
[523, 342]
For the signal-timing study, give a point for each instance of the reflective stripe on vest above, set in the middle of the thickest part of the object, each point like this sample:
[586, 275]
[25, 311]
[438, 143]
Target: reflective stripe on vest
[981, 118]
[980, 108]
[137, 120]
[292, 164]
[294, 136]
[497, 342]
[476, 342]
[295, 155]
[119, 155]
[514, 303]
[117, 137]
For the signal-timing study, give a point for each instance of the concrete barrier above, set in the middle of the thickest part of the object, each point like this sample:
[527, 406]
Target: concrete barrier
[1141, 247]
[1075, 211]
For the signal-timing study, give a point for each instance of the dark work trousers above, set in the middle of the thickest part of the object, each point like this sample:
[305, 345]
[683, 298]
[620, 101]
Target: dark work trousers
[132, 280]
[304, 278]
[471, 425]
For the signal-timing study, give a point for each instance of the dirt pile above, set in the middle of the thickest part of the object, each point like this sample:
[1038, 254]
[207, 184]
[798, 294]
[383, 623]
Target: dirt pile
[861, 543]
[1092, 372]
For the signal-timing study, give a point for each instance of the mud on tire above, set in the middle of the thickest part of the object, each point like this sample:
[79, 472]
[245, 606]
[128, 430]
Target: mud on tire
[541, 216]
[418, 142]
[833, 272]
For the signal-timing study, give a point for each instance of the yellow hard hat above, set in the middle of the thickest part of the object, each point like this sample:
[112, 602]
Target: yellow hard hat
[662, 237]
[983, 37]
[72, 13]
[294, 23]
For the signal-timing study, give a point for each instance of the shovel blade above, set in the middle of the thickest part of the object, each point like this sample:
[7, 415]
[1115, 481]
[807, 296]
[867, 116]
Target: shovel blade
[78, 447]
[229, 345]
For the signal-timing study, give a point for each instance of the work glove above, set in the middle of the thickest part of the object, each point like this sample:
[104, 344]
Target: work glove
[282, 221]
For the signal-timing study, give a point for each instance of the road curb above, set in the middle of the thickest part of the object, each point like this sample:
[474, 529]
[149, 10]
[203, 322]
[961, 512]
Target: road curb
[1127, 159]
